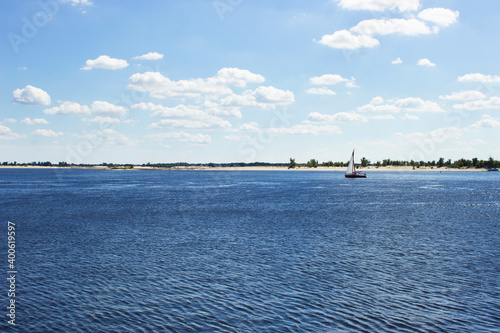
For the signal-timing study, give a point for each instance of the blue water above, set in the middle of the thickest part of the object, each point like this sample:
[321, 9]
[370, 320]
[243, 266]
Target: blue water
[228, 251]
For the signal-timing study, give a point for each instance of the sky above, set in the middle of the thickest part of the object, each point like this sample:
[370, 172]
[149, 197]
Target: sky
[93, 81]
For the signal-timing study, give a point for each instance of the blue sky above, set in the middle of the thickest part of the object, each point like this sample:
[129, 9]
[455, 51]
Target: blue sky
[90, 81]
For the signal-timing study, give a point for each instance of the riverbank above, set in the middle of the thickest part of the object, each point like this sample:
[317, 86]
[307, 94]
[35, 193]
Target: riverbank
[248, 168]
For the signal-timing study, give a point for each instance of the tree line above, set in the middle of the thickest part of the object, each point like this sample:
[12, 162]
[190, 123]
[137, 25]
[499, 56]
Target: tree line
[473, 163]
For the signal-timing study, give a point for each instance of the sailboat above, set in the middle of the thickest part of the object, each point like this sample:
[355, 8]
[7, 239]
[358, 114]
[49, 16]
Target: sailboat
[351, 169]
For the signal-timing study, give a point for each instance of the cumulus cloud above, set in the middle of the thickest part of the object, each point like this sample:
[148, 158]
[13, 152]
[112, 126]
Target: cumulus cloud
[491, 103]
[30, 95]
[337, 117]
[438, 136]
[344, 39]
[250, 127]
[194, 139]
[380, 5]
[7, 134]
[103, 120]
[410, 117]
[180, 110]
[307, 128]
[411, 27]
[466, 95]
[266, 98]
[487, 121]
[35, 121]
[238, 77]
[320, 91]
[478, 77]
[425, 62]
[377, 100]
[206, 121]
[329, 79]
[441, 16]
[78, 2]
[108, 137]
[46, 132]
[159, 86]
[397, 61]
[149, 56]
[361, 35]
[97, 107]
[105, 62]
[410, 104]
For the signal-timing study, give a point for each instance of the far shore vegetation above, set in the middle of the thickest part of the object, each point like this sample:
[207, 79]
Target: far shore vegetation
[462, 163]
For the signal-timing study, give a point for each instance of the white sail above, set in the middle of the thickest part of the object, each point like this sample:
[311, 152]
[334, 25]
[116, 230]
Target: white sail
[350, 168]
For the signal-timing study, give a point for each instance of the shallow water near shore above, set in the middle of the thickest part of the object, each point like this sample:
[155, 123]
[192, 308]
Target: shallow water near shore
[230, 251]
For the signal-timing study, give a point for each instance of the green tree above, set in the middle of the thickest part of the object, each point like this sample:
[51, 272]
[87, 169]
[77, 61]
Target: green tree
[364, 162]
[292, 165]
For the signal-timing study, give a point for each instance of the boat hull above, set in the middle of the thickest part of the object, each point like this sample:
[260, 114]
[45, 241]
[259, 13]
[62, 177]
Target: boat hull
[356, 176]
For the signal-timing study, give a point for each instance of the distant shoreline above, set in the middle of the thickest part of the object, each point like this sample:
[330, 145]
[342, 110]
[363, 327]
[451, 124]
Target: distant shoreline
[247, 168]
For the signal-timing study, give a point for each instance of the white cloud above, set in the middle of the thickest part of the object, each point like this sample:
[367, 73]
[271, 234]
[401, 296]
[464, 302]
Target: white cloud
[250, 127]
[397, 61]
[377, 100]
[382, 117]
[221, 111]
[410, 27]
[307, 128]
[103, 120]
[68, 108]
[425, 62]
[410, 104]
[438, 136]
[101, 107]
[47, 133]
[150, 56]
[7, 134]
[441, 16]
[410, 117]
[159, 86]
[491, 103]
[416, 104]
[343, 39]
[338, 117]
[105, 62]
[29, 121]
[97, 107]
[108, 137]
[237, 137]
[320, 91]
[9, 121]
[194, 139]
[380, 5]
[487, 121]
[478, 77]
[207, 121]
[180, 110]
[30, 95]
[371, 108]
[266, 98]
[328, 79]
[238, 77]
[464, 95]
[78, 2]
